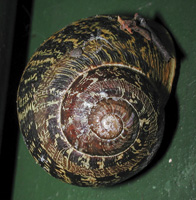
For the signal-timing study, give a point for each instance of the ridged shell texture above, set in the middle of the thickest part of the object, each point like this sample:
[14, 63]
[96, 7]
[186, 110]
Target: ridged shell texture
[90, 102]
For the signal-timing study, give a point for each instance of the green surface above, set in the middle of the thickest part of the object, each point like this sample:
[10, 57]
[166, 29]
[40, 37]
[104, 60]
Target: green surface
[173, 175]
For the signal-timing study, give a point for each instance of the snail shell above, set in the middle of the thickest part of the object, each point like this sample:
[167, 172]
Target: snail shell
[91, 101]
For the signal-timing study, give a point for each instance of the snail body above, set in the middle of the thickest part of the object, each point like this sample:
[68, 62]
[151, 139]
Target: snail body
[91, 101]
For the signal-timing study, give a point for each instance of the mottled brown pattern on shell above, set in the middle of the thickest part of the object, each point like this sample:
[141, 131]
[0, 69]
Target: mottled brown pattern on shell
[66, 59]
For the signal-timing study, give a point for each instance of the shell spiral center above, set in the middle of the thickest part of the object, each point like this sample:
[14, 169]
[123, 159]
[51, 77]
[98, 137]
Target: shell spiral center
[113, 126]
[97, 116]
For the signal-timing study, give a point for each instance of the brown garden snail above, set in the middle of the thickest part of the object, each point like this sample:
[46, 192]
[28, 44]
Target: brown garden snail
[91, 99]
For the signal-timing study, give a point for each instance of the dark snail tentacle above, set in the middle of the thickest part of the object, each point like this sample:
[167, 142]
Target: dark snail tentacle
[90, 102]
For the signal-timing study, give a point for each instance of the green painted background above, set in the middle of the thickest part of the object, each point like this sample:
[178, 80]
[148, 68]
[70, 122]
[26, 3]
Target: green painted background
[172, 175]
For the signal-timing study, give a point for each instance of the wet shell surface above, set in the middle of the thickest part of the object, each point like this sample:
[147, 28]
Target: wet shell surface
[91, 100]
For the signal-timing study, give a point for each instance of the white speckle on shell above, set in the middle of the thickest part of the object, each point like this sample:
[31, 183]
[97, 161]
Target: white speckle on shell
[103, 95]
[70, 120]
[115, 98]
[87, 104]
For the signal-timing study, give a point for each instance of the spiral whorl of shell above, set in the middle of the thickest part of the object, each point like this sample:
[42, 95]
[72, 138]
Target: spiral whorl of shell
[88, 103]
